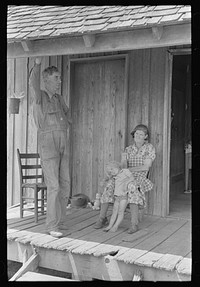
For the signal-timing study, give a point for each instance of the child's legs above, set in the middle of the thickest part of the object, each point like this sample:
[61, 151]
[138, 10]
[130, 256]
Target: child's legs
[121, 210]
[114, 213]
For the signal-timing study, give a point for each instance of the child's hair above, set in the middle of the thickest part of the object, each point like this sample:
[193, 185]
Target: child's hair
[49, 71]
[112, 164]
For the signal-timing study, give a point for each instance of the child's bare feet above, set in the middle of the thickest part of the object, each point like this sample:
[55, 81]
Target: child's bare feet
[107, 228]
[114, 229]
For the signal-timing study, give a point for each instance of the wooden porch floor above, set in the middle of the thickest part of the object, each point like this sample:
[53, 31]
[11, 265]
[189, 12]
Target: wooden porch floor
[161, 248]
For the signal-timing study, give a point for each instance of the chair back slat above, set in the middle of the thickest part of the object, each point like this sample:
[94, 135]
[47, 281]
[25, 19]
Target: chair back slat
[29, 162]
[32, 176]
[29, 155]
[31, 166]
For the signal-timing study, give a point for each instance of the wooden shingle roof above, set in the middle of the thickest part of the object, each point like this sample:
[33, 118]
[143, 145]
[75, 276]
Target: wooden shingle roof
[39, 22]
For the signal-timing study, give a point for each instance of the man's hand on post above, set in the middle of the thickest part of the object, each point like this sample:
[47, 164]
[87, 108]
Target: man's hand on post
[38, 60]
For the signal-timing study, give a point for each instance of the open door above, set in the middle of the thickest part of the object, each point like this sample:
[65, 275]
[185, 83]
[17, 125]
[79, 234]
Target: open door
[180, 163]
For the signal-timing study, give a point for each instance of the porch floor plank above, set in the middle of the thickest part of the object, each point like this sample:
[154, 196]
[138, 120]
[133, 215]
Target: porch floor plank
[158, 237]
[175, 244]
[155, 228]
[122, 237]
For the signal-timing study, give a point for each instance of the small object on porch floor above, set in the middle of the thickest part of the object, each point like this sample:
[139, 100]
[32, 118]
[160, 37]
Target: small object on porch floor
[97, 203]
[133, 229]
[89, 205]
[79, 200]
[101, 223]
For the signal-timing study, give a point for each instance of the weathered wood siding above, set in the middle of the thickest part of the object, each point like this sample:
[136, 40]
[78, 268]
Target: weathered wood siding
[145, 105]
[17, 82]
[98, 104]
[21, 130]
[146, 78]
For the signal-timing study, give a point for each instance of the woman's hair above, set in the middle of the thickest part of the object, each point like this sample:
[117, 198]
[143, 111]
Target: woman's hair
[141, 128]
[49, 71]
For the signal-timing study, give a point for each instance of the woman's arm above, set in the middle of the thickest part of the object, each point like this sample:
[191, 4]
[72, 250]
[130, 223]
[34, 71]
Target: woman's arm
[124, 160]
[146, 166]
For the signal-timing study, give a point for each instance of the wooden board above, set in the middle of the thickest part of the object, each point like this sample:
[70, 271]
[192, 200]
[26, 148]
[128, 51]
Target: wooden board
[85, 249]
[10, 132]
[175, 244]
[143, 230]
[98, 136]
[33, 276]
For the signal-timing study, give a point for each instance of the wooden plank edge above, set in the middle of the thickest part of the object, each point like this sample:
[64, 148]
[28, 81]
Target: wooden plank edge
[30, 265]
[33, 276]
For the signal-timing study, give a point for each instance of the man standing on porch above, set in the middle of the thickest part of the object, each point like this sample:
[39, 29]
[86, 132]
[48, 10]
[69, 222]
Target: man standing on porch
[52, 119]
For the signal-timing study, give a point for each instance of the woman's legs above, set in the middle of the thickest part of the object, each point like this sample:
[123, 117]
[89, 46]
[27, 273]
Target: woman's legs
[120, 214]
[102, 221]
[134, 218]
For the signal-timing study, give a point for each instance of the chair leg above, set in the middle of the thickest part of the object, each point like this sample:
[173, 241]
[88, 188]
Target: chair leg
[42, 201]
[21, 203]
[36, 203]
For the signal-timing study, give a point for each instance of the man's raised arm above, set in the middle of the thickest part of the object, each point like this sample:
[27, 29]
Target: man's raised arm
[35, 80]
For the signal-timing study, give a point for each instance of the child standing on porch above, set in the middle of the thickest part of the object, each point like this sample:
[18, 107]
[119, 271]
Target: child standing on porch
[119, 179]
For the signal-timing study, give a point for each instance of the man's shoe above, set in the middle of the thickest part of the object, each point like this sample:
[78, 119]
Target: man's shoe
[101, 223]
[56, 233]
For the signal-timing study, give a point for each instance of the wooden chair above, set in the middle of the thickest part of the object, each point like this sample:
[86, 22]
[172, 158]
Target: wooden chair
[31, 177]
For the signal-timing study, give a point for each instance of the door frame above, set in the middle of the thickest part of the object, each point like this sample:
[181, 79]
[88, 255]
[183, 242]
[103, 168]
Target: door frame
[167, 124]
[71, 63]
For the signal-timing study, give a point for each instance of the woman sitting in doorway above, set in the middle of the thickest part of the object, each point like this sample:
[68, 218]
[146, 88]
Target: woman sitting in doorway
[138, 158]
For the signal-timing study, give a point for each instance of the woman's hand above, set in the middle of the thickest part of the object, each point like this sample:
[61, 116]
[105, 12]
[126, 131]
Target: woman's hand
[124, 160]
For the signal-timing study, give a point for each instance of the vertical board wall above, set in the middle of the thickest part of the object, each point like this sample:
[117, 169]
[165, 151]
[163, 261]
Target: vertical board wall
[146, 84]
[146, 105]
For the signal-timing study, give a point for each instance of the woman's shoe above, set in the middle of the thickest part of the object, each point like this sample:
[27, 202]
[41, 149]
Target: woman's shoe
[101, 223]
[133, 229]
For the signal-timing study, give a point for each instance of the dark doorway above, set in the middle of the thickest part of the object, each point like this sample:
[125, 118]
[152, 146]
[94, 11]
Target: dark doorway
[180, 162]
